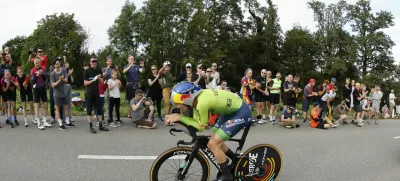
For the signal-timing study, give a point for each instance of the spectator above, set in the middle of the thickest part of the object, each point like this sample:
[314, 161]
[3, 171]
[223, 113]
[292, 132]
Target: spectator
[290, 89]
[200, 76]
[182, 76]
[274, 96]
[332, 84]
[385, 111]
[282, 90]
[346, 93]
[223, 86]
[376, 102]
[7, 58]
[321, 89]
[43, 58]
[142, 116]
[8, 84]
[114, 84]
[392, 103]
[155, 91]
[189, 77]
[316, 120]
[296, 80]
[68, 86]
[106, 76]
[353, 87]
[166, 82]
[38, 77]
[214, 77]
[288, 118]
[260, 95]
[92, 76]
[25, 90]
[52, 107]
[102, 89]
[268, 97]
[340, 113]
[248, 85]
[357, 97]
[58, 79]
[366, 108]
[132, 76]
[307, 96]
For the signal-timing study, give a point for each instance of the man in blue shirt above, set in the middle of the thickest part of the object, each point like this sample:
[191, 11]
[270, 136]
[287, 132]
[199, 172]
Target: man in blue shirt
[132, 76]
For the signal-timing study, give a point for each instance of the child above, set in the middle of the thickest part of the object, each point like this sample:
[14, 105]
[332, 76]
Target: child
[8, 85]
[25, 88]
[113, 85]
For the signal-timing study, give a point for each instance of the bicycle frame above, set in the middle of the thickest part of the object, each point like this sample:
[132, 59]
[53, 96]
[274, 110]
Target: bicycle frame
[201, 144]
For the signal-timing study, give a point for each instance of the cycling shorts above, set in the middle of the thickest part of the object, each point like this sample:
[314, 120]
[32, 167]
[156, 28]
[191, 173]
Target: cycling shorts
[9, 96]
[24, 94]
[228, 126]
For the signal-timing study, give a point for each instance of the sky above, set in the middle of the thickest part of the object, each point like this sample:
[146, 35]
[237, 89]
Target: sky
[20, 17]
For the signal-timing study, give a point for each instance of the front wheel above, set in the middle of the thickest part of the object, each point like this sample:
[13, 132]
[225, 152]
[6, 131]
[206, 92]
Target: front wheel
[170, 165]
[261, 162]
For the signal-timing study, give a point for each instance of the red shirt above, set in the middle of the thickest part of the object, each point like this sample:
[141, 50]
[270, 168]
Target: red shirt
[330, 86]
[102, 86]
[43, 63]
[4, 84]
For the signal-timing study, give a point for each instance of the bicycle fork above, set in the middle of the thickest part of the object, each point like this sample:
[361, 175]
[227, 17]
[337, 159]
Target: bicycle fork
[184, 167]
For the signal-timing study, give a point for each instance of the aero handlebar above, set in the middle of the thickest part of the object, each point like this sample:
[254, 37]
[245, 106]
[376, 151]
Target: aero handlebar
[191, 131]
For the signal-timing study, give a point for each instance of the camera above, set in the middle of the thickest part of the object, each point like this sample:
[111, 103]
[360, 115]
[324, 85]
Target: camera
[112, 67]
[30, 51]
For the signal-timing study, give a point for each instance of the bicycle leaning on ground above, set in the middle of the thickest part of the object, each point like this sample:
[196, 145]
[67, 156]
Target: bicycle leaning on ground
[261, 162]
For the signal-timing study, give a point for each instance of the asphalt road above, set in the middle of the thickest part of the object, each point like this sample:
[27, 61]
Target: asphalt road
[345, 153]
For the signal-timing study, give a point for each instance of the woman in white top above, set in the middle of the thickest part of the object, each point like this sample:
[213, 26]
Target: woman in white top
[113, 85]
[215, 77]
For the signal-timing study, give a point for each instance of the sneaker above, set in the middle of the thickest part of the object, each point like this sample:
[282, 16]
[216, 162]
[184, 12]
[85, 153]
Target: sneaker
[119, 123]
[26, 124]
[34, 121]
[45, 124]
[261, 121]
[16, 122]
[288, 127]
[72, 120]
[160, 118]
[113, 125]
[70, 125]
[92, 130]
[7, 121]
[41, 127]
[11, 125]
[62, 127]
[103, 128]
[297, 125]
[306, 121]
[334, 126]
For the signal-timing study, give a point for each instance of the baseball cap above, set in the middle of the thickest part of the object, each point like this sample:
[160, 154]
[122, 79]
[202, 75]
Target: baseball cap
[291, 108]
[316, 104]
[200, 65]
[166, 63]
[188, 65]
[333, 80]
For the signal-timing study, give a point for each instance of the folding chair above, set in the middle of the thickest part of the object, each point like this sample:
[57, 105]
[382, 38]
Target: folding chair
[77, 103]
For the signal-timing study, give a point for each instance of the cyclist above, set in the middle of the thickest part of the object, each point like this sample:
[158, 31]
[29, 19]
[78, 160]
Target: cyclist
[234, 115]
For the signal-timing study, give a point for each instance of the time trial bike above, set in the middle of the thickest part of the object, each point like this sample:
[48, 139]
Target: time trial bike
[261, 162]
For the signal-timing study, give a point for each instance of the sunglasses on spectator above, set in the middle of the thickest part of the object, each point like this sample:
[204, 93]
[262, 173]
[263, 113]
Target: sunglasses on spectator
[40, 51]
[188, 67]
[153, 69]
[208, 70]
[214, 66]
[224, 84]
[201, 68]
[94, 61]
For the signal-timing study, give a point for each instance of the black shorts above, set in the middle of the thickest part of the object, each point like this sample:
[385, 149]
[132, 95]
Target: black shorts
[259, 97]
[39, 94]
[321, 125]
[357, 108]
[9, 96]
[289, 101]
[93, 100]
[275, 99]
[25, 94]
[305, 104]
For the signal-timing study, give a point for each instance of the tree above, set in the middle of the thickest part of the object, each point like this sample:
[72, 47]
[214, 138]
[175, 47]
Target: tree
[59, 35]
[299, 52]
[337, 50]
[373, 46]
[124, 34]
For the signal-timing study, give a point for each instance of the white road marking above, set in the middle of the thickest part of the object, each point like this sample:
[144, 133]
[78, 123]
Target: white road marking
[113, 157]
[398, 137]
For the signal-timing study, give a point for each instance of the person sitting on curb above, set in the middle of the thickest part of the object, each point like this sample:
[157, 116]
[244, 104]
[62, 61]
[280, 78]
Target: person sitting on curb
[340, 113]
[142, 110]
[288, 119]
[316, 120]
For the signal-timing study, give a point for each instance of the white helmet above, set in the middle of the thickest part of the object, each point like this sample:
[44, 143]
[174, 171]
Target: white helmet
[166, 63]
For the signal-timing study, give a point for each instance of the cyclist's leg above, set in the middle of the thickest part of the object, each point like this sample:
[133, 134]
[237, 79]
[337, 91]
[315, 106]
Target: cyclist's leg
[227, 127]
